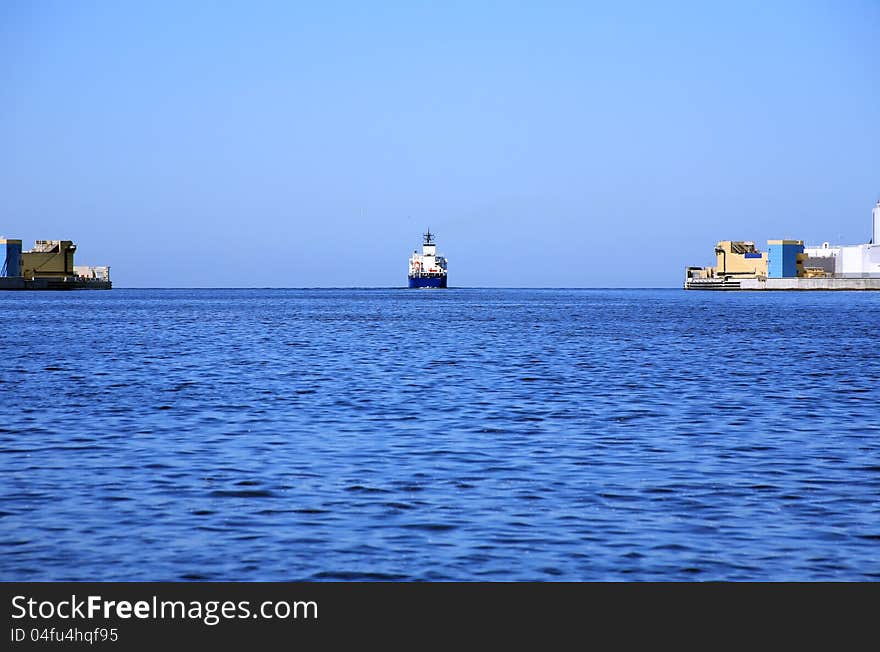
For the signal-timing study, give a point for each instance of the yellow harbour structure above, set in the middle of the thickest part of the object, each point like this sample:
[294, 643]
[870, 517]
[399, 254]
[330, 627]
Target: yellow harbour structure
[48, 266]
[790, 265]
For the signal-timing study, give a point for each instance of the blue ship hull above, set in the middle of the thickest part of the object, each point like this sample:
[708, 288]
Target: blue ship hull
[427, 281]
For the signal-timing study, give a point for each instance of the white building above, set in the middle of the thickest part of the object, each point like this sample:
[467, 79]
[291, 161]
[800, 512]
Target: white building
[849, 261]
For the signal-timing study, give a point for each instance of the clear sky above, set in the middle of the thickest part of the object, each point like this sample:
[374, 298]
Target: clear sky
[308, 144]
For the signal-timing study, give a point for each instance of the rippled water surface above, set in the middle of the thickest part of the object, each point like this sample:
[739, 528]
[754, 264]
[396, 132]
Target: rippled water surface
[439, 435]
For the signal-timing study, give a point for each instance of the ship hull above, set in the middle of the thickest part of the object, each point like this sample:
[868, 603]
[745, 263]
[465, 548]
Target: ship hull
[427, 281]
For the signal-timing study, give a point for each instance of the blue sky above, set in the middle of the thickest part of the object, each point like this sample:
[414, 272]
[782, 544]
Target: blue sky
[558, 144]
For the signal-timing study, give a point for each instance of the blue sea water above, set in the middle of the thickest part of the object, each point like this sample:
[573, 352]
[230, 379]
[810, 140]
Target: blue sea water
[468, 434]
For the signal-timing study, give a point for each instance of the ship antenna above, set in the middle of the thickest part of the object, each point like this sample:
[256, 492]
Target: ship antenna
[428, 237]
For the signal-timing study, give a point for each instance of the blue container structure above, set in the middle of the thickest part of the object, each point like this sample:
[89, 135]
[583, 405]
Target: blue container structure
[12, 258]
[782, 258]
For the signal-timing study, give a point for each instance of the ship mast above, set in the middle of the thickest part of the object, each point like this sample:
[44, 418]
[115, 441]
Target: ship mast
[429, 237]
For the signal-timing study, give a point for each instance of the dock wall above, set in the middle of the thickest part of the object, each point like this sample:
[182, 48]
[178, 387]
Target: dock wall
[810, 284]
[795, 284]
[48, 283]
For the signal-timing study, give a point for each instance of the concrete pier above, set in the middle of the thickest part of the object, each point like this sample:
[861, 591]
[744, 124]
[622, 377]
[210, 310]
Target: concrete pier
[48, 283]
[783, 284]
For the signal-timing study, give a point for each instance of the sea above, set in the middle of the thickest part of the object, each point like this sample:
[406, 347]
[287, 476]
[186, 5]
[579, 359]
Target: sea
[438, 435]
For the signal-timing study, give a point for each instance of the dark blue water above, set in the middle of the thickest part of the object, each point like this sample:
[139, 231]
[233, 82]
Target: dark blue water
[439, 435]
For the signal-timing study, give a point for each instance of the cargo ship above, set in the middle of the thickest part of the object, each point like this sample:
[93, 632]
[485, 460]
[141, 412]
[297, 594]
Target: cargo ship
[791, 265]
[48, 266]
[427, 269]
